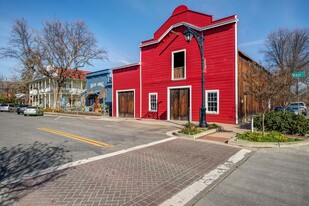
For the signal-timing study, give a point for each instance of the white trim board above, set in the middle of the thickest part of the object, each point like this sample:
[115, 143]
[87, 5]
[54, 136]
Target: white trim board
[185, 64]
[236, 74]
[140, 85]
[125, 66]
[218, 101]
[190, 25]
[149, 101]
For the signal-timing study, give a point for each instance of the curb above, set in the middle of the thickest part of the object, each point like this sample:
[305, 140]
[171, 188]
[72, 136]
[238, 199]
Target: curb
[244, 143]
[71, 115]
[194, 192]
[211, 131]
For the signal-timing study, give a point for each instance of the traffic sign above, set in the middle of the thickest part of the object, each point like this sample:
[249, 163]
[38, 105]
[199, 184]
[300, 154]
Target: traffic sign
[302, 88]
[298, 74]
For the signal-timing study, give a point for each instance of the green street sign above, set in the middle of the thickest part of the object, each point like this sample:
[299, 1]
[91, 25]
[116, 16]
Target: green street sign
[298, 74]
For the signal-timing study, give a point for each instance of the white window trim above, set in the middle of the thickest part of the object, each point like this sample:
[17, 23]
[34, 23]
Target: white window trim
[206, 101]
[185, 64]
[149, 102]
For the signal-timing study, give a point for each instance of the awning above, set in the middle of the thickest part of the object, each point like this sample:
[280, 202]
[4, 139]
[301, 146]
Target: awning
[91, 92]
[97, 90]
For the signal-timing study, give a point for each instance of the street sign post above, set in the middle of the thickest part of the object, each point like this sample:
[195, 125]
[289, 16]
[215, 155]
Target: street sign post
[297, 75]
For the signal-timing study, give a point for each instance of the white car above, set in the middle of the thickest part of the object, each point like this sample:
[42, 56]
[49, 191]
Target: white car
[33, 110]
[302, 105]
[7, 108]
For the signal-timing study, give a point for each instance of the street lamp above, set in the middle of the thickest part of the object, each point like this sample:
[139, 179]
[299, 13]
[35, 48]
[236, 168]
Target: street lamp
[189, 33]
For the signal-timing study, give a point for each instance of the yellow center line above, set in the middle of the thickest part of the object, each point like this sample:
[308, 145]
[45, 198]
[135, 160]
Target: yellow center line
[82, 139]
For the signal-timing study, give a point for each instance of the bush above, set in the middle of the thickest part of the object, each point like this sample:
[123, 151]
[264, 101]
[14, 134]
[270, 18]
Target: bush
[192, 129]
[270, 137]
[285, 122]
[213, 126]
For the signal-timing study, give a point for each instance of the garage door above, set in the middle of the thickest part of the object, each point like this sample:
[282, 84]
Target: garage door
[179, 100]
[126, 104]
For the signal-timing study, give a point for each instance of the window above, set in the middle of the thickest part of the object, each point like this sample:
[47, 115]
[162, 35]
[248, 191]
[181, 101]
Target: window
[153, 102]
[178, 67]
[212, 101]
[109, 79]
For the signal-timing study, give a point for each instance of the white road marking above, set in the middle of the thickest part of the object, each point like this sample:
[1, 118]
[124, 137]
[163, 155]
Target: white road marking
[57, 118]
[79, 162]
[187, 194]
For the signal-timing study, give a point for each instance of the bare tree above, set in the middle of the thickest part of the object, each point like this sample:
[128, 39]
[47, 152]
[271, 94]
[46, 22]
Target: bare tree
[263, 86]
[57, 51]
[63, 48]
[21, 47]
[287, 51]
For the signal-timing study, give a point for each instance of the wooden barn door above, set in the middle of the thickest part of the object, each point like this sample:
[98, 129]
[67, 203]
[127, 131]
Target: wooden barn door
[179, 104]
[126, 104]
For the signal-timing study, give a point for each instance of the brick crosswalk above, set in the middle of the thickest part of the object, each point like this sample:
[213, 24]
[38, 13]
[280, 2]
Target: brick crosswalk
[147, 176]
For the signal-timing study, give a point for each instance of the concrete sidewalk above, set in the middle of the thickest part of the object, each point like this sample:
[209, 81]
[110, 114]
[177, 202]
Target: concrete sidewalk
[269, 177]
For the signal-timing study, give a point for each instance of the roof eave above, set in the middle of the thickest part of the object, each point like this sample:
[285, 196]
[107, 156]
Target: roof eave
[233, 20]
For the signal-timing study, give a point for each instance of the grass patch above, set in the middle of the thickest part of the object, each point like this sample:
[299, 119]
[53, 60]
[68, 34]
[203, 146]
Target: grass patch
[192, 129]
[269, 137]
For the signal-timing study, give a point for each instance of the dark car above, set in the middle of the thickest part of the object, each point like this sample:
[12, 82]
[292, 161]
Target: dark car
[278, 109]
[21, 108]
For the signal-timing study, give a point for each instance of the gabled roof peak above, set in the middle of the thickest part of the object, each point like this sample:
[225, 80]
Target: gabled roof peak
[180, 9]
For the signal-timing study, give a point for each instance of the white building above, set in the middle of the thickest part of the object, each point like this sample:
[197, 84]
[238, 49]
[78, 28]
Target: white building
[41, 91]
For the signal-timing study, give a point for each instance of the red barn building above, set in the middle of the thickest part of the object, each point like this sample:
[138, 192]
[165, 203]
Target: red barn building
[166, 84]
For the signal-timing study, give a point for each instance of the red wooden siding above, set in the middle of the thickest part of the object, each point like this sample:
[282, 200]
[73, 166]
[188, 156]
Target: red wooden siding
[220, 72]
[127, 78]
[156, 67]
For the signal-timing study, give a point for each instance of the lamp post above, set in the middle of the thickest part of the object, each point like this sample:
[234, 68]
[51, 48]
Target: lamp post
[189, 33]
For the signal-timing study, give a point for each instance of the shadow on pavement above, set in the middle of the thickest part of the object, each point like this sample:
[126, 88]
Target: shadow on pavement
[19, 161]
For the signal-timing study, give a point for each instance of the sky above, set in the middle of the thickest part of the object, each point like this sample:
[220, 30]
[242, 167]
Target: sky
[120, 25]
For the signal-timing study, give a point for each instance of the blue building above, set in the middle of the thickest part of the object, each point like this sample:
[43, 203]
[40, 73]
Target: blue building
[98, 90]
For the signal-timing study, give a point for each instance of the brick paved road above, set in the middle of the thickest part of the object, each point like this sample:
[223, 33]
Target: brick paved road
[147, 176]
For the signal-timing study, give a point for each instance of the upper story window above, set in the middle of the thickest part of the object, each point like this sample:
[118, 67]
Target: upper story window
[179, 65]
[212, 101]
[153, 102]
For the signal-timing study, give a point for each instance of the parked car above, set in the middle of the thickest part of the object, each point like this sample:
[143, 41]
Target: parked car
[291, 108]
[302, 105]
[21, 108]
[7, 108]
[294, 108]
[279, 109]
[33, 110]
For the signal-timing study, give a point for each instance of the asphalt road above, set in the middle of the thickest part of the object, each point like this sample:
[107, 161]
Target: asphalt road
[65, 134]
[269, 177]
